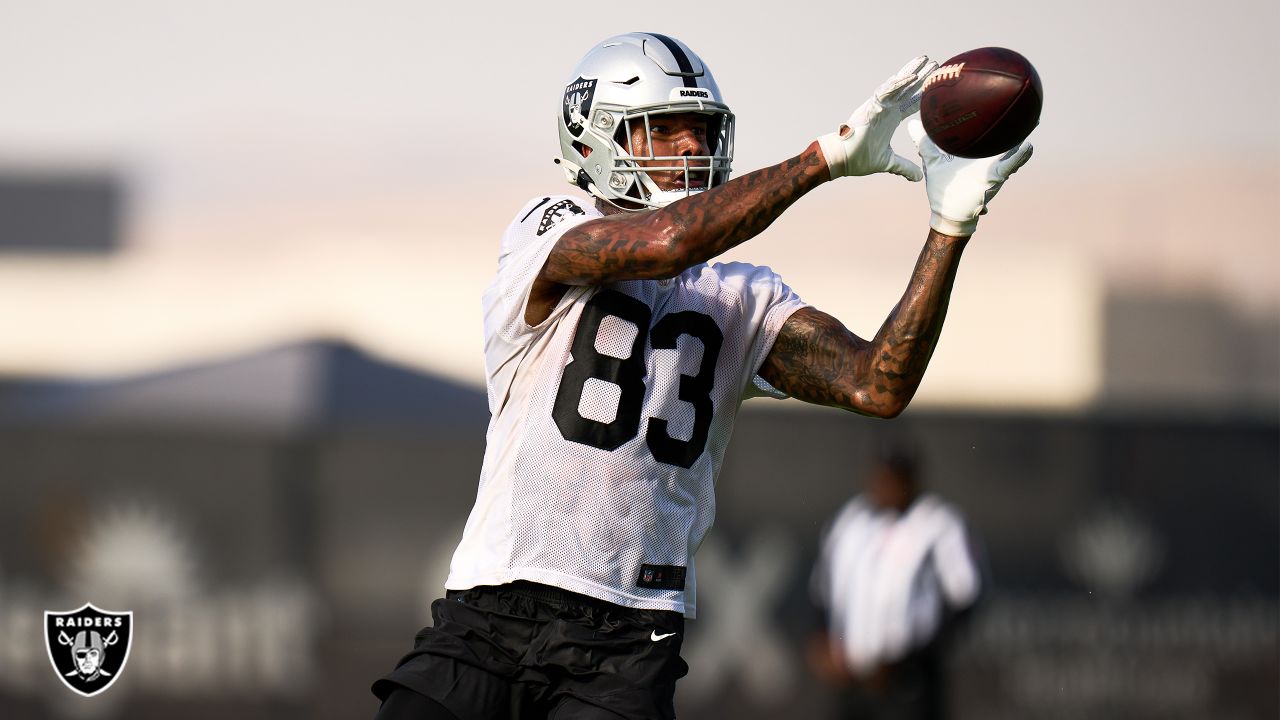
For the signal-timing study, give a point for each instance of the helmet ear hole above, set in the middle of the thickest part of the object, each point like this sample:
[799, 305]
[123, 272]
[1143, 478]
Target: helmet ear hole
[583, 150]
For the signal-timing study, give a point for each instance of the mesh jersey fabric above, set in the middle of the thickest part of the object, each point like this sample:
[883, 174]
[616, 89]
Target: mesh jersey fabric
[602, 450]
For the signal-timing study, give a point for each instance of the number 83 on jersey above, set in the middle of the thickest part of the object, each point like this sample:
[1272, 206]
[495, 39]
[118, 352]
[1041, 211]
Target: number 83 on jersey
[628, 374]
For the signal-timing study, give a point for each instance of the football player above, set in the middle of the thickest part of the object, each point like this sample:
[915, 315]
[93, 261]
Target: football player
[616, 360]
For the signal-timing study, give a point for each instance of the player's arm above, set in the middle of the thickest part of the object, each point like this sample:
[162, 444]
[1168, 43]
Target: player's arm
[661, 244]
[632, 246]
[816, 359]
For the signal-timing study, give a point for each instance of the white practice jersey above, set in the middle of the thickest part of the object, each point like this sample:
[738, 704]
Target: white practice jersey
[610, 419]
[886, 578]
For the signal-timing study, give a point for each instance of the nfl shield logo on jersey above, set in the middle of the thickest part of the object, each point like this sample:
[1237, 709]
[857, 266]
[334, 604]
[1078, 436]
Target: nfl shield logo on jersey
[577, 104]
[88, 647]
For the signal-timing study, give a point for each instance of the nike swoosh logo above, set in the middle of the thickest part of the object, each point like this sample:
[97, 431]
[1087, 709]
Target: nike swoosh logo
[654, 636]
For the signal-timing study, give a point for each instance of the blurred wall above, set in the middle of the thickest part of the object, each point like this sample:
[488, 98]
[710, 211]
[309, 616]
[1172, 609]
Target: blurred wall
[1134, 561]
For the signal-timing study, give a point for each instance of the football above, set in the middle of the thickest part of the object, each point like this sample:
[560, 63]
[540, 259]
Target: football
[981, 102]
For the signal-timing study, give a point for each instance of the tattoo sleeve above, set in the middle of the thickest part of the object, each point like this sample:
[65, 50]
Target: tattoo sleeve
[816, 359]
[662, 243]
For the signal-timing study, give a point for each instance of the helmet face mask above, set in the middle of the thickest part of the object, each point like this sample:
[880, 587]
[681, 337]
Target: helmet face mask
[619, 88]
[706, 170]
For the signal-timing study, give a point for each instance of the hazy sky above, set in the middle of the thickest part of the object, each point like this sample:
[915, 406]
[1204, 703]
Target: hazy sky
[208, 98]
[384, 127]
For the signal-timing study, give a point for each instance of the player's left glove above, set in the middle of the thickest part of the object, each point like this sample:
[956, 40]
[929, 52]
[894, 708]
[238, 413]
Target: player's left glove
[861, 147]
[959, 188]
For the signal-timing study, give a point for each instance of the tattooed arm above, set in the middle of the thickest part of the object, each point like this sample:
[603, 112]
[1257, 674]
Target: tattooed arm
[662, 243]
[816, 359]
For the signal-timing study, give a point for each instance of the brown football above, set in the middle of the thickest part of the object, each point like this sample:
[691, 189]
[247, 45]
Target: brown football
[981, 102]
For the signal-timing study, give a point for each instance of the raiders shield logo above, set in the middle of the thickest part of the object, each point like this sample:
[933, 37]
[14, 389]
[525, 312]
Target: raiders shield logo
[557, 212]
[577, 104]
[88, 647]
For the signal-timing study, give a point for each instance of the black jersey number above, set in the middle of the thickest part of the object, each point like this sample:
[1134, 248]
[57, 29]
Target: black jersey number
[628, 374]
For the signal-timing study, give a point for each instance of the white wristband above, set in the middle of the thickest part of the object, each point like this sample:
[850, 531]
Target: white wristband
[956, 228]
[833, 152]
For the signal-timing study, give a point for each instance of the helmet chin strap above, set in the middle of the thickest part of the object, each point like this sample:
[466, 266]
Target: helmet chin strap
[657, 198]
[664, 198]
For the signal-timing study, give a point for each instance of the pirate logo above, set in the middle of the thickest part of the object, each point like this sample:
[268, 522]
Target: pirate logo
[88, 647]
[577, 104]
[557, 212]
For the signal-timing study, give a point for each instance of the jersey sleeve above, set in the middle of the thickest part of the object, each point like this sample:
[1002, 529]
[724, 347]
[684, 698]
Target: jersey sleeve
[527, 242]
[767, 301]
[953, 559]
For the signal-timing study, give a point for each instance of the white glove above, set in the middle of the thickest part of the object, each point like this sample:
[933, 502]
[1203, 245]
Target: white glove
[959, 188]
[862, 146]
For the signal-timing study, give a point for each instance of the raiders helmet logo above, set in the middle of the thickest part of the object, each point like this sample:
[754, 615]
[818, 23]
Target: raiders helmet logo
[557, 212]
[577, 104]
[88, 647]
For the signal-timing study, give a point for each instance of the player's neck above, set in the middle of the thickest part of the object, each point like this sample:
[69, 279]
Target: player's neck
[607, 208]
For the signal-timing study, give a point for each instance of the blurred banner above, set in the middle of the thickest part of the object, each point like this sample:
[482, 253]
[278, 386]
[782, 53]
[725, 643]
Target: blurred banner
[277, 561]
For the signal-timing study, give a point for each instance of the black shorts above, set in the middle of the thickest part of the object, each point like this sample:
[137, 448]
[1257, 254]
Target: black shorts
[526, 650]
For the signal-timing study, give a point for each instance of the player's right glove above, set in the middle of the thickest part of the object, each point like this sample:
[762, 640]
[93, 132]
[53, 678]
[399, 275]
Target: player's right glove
[959, 188]
[861, 146]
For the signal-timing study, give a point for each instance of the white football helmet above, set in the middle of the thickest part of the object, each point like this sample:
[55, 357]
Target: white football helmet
[626, 80]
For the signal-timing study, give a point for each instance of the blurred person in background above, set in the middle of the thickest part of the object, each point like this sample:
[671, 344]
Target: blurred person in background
[616, 359]
[896, 576]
